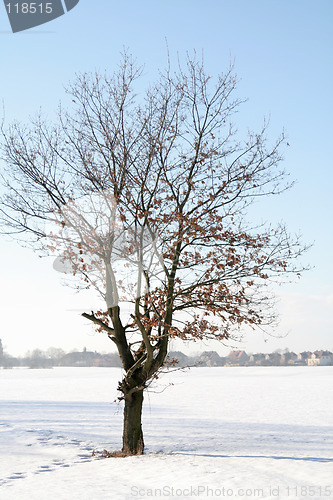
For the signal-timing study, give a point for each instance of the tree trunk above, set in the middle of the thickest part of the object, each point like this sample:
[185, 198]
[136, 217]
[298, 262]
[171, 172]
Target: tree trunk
[132, 432]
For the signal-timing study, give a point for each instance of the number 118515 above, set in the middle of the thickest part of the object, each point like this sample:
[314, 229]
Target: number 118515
[29, 8]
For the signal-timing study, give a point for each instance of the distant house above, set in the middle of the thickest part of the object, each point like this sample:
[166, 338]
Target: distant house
[256, 359]
[1, 352]
[304, 355]
[83, 358]
[302, 358]
[237, 358]
[288, 358]
[107, 360]
[320, 358]
[180, 358]
[210, 358]
[275, 359]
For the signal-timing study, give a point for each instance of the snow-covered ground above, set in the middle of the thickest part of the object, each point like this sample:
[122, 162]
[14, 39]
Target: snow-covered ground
[215, 433]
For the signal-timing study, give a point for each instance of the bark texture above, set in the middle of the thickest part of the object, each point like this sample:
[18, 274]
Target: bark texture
[132, 432]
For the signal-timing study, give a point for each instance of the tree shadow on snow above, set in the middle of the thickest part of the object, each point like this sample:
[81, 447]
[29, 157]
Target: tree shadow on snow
[306, 459]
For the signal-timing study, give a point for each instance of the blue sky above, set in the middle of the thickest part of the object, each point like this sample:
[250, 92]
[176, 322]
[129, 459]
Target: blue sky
[282, 51]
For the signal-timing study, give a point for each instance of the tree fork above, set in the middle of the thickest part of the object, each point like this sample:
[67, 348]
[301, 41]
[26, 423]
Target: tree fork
[119, 333]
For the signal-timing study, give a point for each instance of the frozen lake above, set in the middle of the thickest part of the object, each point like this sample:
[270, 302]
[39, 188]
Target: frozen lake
[216, 432]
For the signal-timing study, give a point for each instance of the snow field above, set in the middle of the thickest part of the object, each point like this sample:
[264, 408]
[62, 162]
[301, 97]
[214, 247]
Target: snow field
[215, 433]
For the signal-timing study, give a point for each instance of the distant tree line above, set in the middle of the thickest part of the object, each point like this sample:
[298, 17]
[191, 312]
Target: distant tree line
[53, 357]
[58, 357]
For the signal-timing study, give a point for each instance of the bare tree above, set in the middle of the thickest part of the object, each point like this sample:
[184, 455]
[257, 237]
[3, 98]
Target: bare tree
[144, 197]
